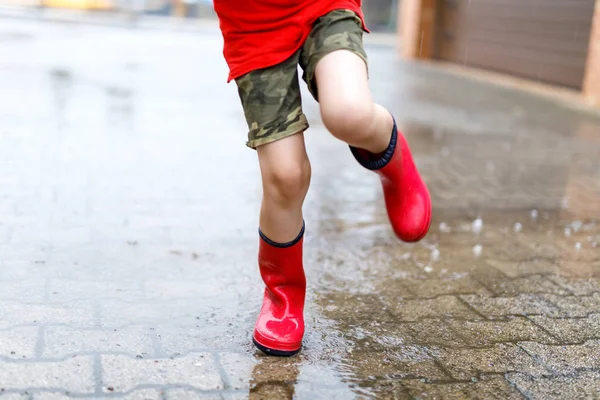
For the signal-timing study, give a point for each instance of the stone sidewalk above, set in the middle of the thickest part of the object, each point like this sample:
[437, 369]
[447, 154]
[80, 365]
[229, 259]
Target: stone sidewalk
[128, 216]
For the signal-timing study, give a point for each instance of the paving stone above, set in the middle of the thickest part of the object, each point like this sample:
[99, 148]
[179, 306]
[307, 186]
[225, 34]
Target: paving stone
[238, 369]
[27, 291]
[393, 289]
[580, 386]
[500, 307]
[19, 343]
[488, 387]
[579, 287]
[565, 359]
[575, 306]
[14, 396]
[189, 394]
[571, 330]
[73, 375]
[443, 306]
[207, 332]
[316, 380]
[64, 341]
[20, 271]
[378, 336]
[243, 395]
[436, 332]
[401, 362]
[23, 235]
[75, 314]
[526, 284]
[501, 358]
[272, 390]
[120, 313]
[385, 389]
[124, 373]
[514, 269]
[485, 333]
[357, 308]
[452, 284]
[64, 290]
[273, 370]
[143, 394]
[184, 289]
[304, 389]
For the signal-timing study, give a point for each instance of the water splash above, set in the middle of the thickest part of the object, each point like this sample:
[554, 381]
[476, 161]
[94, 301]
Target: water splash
[444, 228]
[477, 226]
[477, 250]
[533, 213]
[518, 227]
[576, 225]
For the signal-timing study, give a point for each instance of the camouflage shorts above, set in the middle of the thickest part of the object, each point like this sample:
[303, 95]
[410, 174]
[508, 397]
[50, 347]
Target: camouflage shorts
[271, 96]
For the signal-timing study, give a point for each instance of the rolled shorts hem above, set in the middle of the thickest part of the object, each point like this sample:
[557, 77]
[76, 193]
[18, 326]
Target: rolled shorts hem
[294, 129]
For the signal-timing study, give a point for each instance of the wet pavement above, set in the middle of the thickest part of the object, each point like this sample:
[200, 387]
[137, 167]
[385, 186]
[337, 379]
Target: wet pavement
[128, 234]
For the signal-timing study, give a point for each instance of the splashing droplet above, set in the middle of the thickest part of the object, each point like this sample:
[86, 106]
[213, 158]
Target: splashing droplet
[477, 226]
[428, 269]
[567, 232]
[477, 249]
[518, 227]
[576, 225]
[533, 213]
[444, 227]
[435, 255]
[578, 245]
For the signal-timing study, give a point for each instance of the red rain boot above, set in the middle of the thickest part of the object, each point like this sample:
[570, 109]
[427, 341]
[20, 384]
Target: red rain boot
[280, 325]
[407, 199]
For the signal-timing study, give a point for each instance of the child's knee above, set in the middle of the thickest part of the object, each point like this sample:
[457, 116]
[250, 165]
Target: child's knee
[350, 120]
[288, 180]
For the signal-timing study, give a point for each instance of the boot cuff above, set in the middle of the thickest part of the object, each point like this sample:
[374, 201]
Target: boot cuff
[282, 245]
[385, 158]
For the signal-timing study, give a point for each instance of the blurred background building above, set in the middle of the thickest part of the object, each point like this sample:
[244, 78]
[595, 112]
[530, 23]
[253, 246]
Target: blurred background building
[555, 42]
[551, 42]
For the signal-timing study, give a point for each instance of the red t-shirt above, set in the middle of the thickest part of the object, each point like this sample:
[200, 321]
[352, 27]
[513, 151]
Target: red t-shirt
[262, 33]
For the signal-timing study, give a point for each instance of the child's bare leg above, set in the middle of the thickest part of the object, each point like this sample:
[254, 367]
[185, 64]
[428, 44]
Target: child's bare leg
[285, 172]
[336, 72]
[347, 108]
[273, 109]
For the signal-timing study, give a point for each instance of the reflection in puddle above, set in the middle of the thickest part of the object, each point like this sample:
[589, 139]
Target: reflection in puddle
[516, 241]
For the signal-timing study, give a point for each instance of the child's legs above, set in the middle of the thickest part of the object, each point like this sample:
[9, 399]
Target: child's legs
[272, 106]
[285, 171]
[335, 66]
